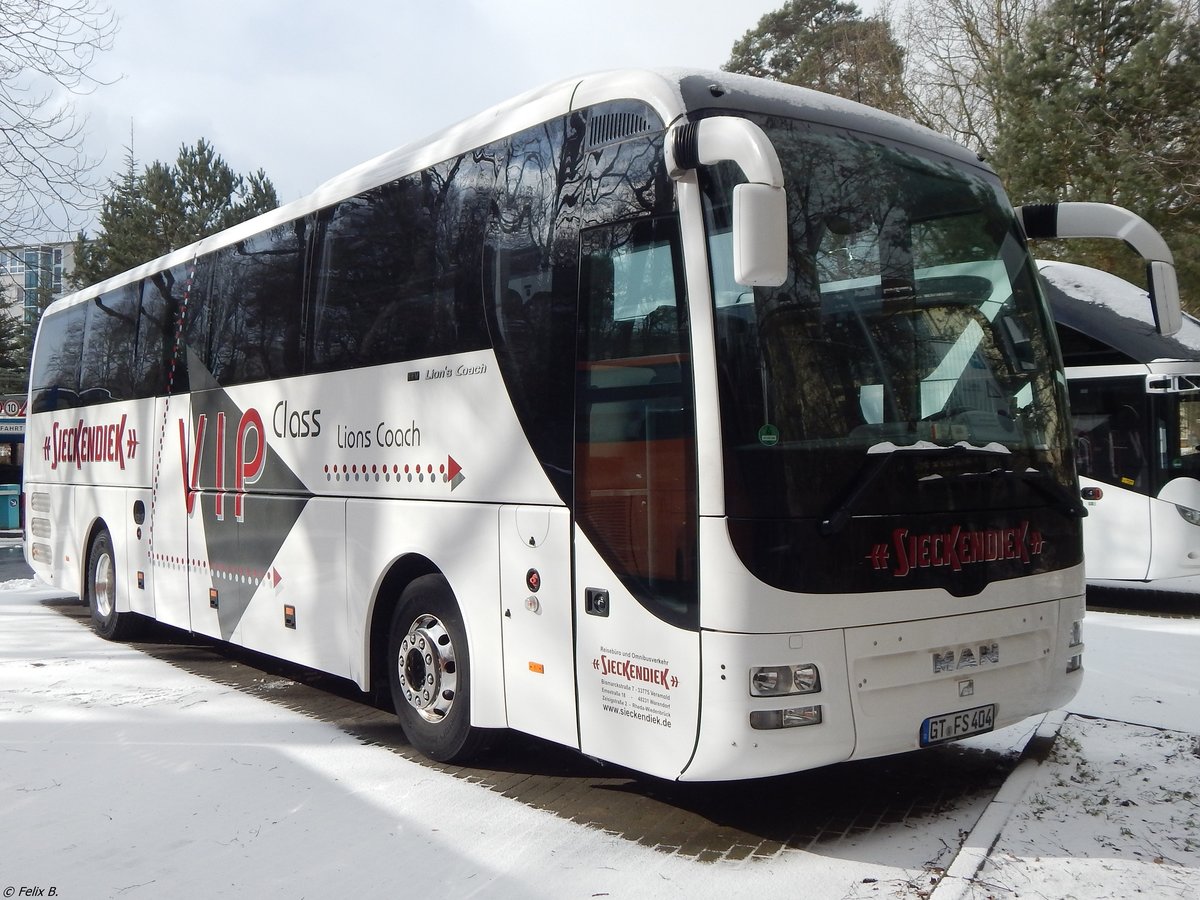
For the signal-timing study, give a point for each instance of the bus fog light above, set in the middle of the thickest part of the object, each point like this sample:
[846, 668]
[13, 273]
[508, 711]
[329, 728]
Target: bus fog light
[769, 719]
[777, 681]
[1076, 633]
[1075, 663]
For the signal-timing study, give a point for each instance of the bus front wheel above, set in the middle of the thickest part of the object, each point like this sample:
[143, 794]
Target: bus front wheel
[101, 590]
[430, 672]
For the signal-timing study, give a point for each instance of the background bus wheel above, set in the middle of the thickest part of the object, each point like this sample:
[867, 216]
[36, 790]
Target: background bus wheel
[100, 588]
[430, 673]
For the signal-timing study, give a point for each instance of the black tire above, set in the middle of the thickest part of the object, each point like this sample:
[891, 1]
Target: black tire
[429, 673]
[100, 590]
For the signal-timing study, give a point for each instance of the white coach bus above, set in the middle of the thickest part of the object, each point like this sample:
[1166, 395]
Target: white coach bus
[1135, 411]
[711, 426]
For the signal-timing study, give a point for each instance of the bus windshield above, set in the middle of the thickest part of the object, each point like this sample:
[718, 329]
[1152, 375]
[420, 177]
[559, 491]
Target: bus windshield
[909, 320]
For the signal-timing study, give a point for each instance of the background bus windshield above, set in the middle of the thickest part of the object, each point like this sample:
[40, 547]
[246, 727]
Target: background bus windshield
[909, 320]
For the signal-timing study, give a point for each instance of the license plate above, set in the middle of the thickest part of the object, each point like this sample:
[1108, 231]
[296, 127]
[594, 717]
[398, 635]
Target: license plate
[951, 726]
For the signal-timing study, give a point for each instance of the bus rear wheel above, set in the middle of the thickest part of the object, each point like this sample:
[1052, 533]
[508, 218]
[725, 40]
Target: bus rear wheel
[100, 588]
[430, 672]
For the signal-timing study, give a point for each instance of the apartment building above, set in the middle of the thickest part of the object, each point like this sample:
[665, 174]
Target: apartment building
[27, 273]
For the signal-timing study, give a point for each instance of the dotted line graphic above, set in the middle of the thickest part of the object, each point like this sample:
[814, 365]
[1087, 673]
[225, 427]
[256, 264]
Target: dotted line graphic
[235, 575]
[162, 432]
[419, 473]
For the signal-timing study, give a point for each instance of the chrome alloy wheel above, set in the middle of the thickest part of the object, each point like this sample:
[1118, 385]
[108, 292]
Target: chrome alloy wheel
[428, 670]
[104, 584]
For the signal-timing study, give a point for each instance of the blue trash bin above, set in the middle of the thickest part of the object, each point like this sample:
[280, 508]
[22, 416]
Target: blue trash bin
[10, 507]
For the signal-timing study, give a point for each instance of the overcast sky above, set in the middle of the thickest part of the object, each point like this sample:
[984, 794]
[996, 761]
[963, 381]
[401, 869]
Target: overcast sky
[306, 90]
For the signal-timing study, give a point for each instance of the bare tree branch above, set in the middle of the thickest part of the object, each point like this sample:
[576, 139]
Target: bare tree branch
[955, 62]
[47, 48]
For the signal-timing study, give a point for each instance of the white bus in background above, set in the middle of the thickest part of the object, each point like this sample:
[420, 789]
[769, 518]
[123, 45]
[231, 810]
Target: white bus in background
[1135, 407]
[707, 425]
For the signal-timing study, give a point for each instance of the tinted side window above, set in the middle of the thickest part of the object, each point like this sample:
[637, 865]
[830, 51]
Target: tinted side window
[398, 278]
[533, 281]
[254, 305]
[114, 347]
[163, 296]
[55, 375]
[596, 166]
[155, 342]
[1112, 431]
[108, 363]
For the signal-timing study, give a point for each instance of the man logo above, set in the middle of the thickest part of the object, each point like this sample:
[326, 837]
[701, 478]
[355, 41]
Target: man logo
[966, 658]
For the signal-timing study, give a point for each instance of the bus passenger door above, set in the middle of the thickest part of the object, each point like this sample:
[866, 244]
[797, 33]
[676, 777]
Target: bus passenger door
[1113, 453]
[170, 501]
[535, 588]
[636, 521]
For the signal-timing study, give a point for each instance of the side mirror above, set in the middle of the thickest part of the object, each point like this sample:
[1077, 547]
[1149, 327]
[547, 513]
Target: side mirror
[759, 207]
[1103, 220]
[1164, 296]
[759, 235]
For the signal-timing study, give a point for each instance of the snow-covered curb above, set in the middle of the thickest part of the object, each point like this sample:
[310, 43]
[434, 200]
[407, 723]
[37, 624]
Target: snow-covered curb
[973, 855]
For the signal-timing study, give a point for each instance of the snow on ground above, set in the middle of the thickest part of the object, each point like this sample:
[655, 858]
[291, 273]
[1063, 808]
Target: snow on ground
[1141, 669]
[121, 775]
[1114, 812]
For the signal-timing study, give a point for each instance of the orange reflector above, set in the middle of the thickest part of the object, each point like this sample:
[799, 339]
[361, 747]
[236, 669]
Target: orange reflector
[537, 667]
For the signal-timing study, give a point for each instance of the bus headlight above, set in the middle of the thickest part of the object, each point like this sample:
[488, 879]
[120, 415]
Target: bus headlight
[767, 719]
[1191, 516]
[778, 681]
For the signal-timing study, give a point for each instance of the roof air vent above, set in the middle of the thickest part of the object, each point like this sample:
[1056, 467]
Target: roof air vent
[608, 128]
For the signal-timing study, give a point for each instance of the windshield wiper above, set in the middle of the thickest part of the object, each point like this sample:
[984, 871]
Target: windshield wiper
[867, 476]
[879, 458]
[1066, 500]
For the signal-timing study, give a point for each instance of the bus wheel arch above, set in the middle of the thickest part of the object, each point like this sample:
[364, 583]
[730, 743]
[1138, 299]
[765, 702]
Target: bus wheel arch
[402, 572]
[428, 668]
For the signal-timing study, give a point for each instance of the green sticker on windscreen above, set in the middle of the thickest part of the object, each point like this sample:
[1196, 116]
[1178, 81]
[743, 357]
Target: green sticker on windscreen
[768, 435]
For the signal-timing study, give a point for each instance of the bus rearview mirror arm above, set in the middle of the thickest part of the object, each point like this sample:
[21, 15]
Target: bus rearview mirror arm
[1103, 220]
[759, 207]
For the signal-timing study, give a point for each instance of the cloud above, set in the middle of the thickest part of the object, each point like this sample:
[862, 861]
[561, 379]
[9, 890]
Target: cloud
[306, 90]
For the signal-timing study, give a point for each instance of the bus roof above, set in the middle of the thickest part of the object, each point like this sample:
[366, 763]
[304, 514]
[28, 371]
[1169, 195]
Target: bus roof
[1113, 313]
[672, 93]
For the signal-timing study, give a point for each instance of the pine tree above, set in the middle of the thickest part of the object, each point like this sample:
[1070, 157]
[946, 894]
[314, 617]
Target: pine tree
[14, 353]
[826, 45]
[166, 207]
[124, 226]
[1101, 106]
[955, 62]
